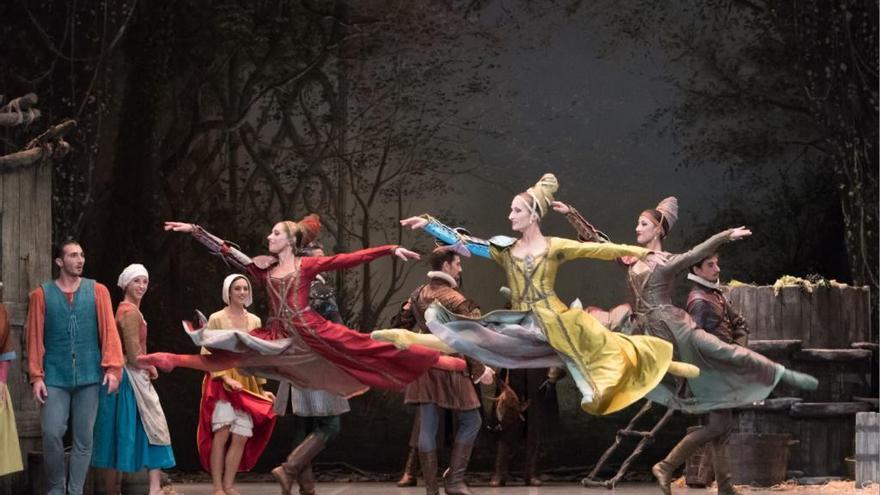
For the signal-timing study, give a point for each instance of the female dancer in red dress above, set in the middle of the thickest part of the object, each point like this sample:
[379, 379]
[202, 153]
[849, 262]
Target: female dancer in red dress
[297, 344]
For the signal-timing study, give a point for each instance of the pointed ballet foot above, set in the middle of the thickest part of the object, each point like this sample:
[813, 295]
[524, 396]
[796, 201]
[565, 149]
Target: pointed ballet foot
[684, 370]
[800, 380]
[162, 360]
[394, 336]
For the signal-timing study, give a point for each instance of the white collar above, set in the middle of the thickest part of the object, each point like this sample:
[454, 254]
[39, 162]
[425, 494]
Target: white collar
[705, 283]
[443, 276]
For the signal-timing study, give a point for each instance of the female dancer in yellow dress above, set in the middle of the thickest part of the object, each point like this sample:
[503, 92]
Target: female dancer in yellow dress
[611, 370]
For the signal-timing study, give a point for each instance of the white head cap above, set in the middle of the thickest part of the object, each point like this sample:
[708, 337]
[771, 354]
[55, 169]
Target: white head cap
[227, 285]
[131, 271]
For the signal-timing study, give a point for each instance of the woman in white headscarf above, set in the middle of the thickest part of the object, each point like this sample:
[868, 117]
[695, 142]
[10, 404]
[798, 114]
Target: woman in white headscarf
[235, 414]
[131, 433]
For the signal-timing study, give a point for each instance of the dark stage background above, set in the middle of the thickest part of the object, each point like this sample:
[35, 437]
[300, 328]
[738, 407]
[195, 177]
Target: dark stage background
[237, 114]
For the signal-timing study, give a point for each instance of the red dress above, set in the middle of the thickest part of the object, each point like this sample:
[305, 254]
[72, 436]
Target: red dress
[298, 345]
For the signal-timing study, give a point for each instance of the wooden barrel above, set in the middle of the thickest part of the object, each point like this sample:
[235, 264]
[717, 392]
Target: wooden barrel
[867, 448]
[758, 459]
[829, 317]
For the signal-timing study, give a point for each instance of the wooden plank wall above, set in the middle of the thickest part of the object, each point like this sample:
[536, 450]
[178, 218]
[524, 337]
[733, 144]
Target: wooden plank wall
[25, 262]
[829, 317]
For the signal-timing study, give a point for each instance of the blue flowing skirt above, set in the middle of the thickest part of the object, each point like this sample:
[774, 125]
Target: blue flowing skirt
[120, 441]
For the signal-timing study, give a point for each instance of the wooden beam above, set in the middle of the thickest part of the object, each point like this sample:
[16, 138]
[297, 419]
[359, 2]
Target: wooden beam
[12, 119]
[827, 409]
[21, 159]
[833, 355]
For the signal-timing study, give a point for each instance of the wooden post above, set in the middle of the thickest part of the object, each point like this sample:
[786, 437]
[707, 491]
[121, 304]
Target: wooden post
[25, 262]
[867, 448]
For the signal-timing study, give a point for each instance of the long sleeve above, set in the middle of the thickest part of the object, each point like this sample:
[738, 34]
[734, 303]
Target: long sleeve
[449, 236]
[36, 348]
[608, 251]
[585, 230]
[7, 353]
[130, 329]
[345, 260]
[111, 349]
[683, 261]
[228, 251]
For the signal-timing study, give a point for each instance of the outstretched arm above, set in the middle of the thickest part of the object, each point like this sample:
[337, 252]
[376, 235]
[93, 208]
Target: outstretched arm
[585, 230]
[348, 260]
[710, 246]
[228, 251]
[447, 235]
[597, 250]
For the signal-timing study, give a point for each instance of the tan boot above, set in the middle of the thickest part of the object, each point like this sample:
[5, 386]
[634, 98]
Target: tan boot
[301, 456]
[409, 477]
[453, 482]
[664, 470]
[306, 480]
[502, 460]
[428, 460]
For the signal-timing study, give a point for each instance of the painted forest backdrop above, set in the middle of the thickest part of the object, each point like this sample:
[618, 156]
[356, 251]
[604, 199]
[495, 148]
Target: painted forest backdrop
[235, 114]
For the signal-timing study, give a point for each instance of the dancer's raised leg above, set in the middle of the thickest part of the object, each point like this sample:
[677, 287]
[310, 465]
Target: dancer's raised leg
[404, 338]
[166, 361]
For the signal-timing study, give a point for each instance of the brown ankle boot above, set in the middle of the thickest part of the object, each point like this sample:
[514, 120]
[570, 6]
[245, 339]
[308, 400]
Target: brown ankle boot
[428, 460]
[306, 480]
[502, 459]
[409, 477]
[301, 456]
[664, 470]
[453, 482]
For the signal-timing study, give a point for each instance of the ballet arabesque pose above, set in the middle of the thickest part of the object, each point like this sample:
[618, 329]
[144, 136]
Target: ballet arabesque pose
[297, 344]
[731, 375]
[611, 370]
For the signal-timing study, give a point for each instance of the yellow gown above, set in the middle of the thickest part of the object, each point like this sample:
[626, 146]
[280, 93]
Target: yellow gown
[619, 368]
[611, 370]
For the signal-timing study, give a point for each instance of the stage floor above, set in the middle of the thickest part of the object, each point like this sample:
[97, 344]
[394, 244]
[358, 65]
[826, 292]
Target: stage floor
[374, 488]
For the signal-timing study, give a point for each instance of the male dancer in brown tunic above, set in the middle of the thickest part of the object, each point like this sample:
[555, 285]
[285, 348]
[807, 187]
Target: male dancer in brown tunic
[438, 389]
[712, 312]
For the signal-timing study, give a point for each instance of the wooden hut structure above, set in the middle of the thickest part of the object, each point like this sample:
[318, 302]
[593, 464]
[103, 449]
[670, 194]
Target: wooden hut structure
[824, 332]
